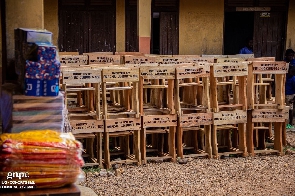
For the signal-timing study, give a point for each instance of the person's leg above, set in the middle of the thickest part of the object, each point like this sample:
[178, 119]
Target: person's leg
[291, 116]
[289, 103]
[6, 105]
[291, 110]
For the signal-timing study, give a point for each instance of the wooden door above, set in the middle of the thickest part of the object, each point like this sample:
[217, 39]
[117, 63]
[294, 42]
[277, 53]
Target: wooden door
[102, 31]
[169, 43]
[269, 34]
[269, 27]
[131, 44]
[73, 33]
[165, 27]
[87, 25]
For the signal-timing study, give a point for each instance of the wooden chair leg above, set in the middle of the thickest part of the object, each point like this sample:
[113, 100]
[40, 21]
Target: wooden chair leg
[278, 145]
[89, 147]
[227, 139]
[242, 138]
[107, 156]
[179, 133]
[234, 138]
[214, 141]
[196, 143]
[143, 145]
[161, 143]
[99, 148]
[136, 146]
[261, 139]
[249, 133]
[208, 143]
[284, 139]
[172, 152]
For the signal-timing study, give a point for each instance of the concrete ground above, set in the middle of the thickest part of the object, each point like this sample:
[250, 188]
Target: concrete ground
[85, 191]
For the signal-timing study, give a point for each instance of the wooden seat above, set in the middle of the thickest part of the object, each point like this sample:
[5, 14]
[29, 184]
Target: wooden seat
[158, 110]
[194, 112]
[230, 113]
[88, 119]
[121, 115]
[263, 112]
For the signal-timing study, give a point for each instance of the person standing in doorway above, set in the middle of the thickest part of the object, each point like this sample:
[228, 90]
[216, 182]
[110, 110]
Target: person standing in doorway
[248, 49]
[289, 57]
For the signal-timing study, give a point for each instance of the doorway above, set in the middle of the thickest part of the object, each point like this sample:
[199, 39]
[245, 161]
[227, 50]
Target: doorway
[87, 26]
[238, 27]
[264, 21]
[155, 49]
[269, 37]
[165, 33]
[165, 27]
[131, 42]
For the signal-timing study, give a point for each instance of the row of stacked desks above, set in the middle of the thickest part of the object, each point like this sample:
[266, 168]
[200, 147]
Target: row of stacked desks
[210, 106]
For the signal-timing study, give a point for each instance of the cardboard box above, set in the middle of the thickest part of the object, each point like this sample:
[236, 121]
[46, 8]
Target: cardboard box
[51, 87]
[34, 87]
[46, 52]
[33, 35]
[26, 49]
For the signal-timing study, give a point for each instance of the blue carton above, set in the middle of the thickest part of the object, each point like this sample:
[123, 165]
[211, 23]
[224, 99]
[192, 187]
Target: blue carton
[51, 87]
[34, 87]
[46, 52]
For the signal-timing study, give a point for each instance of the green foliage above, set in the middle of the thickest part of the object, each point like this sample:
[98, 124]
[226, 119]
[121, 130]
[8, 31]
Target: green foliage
[289, 148]
[91, 169]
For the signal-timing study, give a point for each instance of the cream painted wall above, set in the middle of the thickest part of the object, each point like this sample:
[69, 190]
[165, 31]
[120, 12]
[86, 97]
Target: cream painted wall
[144, 18]
[22, 14]
[201, 26]
[51, 19]
[290, 40]
[120, 26]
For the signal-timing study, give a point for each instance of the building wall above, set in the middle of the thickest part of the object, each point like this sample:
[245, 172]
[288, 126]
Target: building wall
[51, 19]
[201, 26]
[22, 14]
[290, 40]
[144, 25]
[120, 25]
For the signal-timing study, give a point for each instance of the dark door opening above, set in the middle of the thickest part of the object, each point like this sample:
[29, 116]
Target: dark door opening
[156, 33]
[267, 29]
[165, 33]
[165, 25]
[238, 27]
[131, 43]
